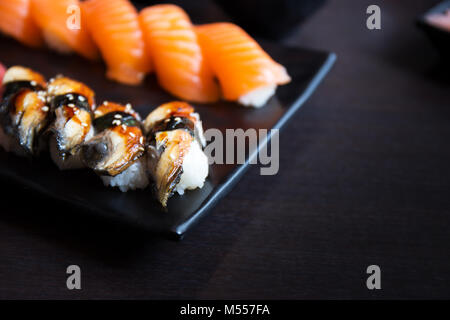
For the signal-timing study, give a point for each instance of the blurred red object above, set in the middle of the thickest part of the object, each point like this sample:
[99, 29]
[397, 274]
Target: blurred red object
[440, 20]
[2, 72]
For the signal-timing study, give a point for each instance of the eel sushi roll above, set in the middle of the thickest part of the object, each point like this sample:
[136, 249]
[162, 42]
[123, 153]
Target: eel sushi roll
[23, 111]
[175, 158]
[116, 152]
[72, 105]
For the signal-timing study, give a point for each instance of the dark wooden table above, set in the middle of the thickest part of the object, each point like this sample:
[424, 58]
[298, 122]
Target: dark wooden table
[364, 179]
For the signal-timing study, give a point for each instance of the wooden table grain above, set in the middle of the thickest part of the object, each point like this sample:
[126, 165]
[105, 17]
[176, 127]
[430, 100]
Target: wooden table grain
[364, 179]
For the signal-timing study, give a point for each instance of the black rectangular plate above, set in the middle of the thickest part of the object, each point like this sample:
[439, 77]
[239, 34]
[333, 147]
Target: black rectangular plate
[139, 208]
[438, 36]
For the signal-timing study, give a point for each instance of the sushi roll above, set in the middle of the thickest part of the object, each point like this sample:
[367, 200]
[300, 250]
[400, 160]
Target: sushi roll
[246, 73]
[116, 152]
[16, 21]
[114, 26]
[175, 158]
[52, 17]
[179, 63]
[72, 104]
[23, 111]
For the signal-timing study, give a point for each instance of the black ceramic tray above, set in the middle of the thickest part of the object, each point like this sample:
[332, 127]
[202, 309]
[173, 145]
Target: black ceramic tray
[438, 36]
[85, 190]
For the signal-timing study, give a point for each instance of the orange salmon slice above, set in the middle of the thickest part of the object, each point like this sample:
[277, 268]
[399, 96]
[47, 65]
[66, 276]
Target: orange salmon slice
[114, 26]
[238, 61]
[16, 21]
[178, 59]
[63, 26]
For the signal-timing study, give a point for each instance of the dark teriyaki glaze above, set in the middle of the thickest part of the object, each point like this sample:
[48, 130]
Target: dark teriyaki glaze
[78, 100]
[14, 87]
[168, 124]
[109, 119]
[11, 91]
[174, 123]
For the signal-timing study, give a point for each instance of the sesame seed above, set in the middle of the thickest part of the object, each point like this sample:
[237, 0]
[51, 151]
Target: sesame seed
[84, 124]
[177, 118]
[45, 108]
[118, 116]
[71, 105]
[33, 83]
[124, 127]
[141, 149]
[141, 140]
[116, 122]
[81, 98]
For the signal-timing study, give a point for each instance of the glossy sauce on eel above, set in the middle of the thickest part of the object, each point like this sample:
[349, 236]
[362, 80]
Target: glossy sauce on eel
[175, 158]
[116, 152]
[23, 111]
[72, 104]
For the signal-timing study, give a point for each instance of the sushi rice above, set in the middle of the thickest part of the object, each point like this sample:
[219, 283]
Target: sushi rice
[134, 177]
[258, 97]
[195, 169]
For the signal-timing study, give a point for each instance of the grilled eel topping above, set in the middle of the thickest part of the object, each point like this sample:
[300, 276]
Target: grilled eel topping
[118, 143]
[23, 113]
[72, 103]
[171, 128]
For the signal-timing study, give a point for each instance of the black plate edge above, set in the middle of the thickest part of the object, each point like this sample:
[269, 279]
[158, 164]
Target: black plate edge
[180, 231]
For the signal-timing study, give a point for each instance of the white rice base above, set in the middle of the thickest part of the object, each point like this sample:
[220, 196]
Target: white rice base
[134, 177]
[71, 161]
[258, 97]
[195, 169]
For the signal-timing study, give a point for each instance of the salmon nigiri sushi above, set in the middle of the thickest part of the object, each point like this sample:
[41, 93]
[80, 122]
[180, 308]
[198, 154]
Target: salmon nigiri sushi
[114, 25]
[176, 54]
[16, 21]
[246, 73]
[63, 26]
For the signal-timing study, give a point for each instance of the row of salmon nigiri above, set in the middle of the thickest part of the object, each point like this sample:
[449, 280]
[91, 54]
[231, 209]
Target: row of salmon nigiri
[187, 59]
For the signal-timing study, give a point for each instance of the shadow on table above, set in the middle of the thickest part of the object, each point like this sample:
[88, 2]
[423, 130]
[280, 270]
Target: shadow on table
[70, 227]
